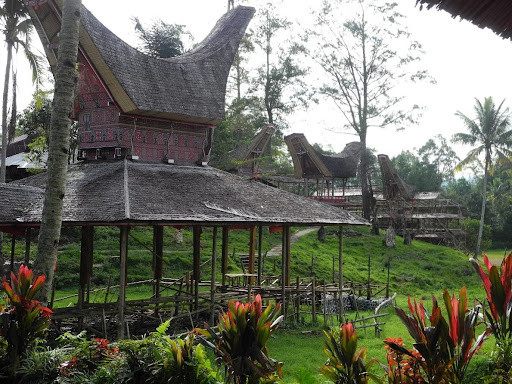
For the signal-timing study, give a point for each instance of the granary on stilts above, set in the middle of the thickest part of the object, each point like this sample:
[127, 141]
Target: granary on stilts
[146, 129]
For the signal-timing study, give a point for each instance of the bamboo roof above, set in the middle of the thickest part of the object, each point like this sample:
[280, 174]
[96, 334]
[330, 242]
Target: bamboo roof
[133, 193]
[190, 87]
[493, 14]
[308, 163]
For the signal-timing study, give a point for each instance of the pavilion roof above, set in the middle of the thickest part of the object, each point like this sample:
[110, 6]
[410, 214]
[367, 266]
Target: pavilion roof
[126, 192]
[493, 14]
[190, 87]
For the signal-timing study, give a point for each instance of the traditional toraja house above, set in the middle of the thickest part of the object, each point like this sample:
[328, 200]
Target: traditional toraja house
[324, 170]
[425, 216]
[246, 159]
[146, 129]
[493, 14]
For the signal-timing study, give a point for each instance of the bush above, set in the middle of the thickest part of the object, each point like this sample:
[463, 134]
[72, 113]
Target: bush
[471, 227]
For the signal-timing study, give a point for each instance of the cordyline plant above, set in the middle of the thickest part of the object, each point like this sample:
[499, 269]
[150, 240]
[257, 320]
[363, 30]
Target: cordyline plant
[22, 319]
[499, 296]
[445, 346]
[402, 368]
[241, 343]
[344, 363]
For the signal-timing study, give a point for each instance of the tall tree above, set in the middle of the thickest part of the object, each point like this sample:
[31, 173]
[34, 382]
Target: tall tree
[365, 52]
[437, 152]
[279, 83]
[65, 81]
[16, 27]
[490, 131]
[162, 40]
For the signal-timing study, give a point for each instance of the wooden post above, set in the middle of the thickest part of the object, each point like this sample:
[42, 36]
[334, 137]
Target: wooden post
[325, 306]
[158, 254]
[340, 278]
[28, 234]
[224, 256]
[313, 299]
[13, 246]
[197, 260]
[297, 300]
[288, 234]
[214, 275]
[252, 251]
[86, 252]
[123, 253]
[283, 273]
[260, 261]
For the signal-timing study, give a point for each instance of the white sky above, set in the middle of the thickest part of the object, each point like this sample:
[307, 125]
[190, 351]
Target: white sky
[466, 61]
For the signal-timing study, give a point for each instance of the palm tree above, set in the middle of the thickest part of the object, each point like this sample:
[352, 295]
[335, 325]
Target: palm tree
[16, 27]
[490, 132]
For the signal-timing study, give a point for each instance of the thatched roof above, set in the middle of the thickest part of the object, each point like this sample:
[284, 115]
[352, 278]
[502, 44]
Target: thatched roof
[190, 87]
[393, 186]
[493, 14]
[249, 155]
[124, 192]
[308, 163]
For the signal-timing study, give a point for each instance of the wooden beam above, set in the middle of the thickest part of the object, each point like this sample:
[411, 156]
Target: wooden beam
[283, 273]
[214, 275]
[252, 252]
[196, 276]
[340, 277]
[288, 233]
[28, 234]
[123, 254]
[260, 245]
[158, 253]
[13, 246]
[225, 245]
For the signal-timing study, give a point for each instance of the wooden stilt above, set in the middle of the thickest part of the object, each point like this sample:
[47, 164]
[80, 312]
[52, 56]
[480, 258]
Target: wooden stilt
[86, 250]
[283, 273]
[158, 254]
[313, 299]
[252, 251]
[28, 234]
[197, 260]
[288, 233]
[225, 245]
[13, 246]
[340, 278]
[123, 253]
[214, 276]
[260, 245]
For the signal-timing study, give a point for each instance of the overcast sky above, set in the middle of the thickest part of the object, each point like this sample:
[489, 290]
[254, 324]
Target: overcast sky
[466, 61]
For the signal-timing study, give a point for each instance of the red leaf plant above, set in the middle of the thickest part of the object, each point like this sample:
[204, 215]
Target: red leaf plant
[497, 286]
[22, 319]
[445, 346]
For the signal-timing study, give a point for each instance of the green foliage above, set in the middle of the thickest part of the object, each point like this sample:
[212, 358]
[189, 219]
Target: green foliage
[242, 341]
[161, 40]
[345, 365]
[446, 345]
[471, 227]
[23, 320]
[415, 171]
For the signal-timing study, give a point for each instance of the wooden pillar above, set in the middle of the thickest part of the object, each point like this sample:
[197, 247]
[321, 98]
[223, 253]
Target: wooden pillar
[123, 255]
[252, 251]
[158, 253]
[86, 261]
[28, 234]
[197, 260]
[13, 246]
[333, 187]
[214, 275]
[260, 245]
[288, 234]
[340, 278]
[225, 245]
[283, 273]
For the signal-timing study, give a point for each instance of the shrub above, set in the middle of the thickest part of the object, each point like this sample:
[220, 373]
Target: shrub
[445, 347]
[471, 227]
[242, 341]
[401, 368]
[344, 363]
[23, 319]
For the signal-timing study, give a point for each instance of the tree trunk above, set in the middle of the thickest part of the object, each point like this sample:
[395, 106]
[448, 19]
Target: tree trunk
[363, 176]
[3, 168]
[484, 200]
[65, 80]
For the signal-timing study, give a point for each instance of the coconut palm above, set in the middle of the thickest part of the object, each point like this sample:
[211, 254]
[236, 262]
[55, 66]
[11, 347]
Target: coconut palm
[16, 27]
[490, 132]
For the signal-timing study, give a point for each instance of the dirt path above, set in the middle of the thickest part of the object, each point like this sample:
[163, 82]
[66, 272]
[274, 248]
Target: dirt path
[276, 251]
